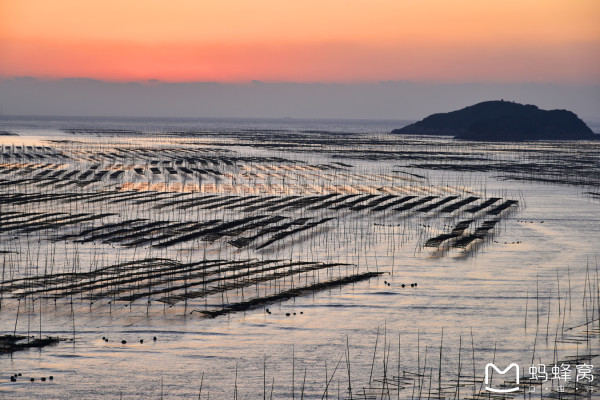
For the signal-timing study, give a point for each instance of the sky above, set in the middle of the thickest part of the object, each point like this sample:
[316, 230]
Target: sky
[335, 43]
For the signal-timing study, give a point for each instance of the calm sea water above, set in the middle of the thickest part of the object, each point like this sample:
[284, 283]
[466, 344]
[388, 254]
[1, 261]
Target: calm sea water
[505, 301]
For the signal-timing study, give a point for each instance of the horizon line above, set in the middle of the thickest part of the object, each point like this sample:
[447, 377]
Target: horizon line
[151, 81]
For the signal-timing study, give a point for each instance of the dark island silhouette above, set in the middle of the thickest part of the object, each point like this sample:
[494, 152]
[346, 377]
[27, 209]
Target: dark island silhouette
[503, 121]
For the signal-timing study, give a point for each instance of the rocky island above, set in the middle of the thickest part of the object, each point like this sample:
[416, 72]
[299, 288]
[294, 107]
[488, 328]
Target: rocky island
[503, 121]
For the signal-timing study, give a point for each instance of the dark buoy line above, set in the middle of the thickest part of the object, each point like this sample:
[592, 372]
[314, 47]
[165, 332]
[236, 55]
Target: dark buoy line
[105, 339]
[411, 285]
[287, 314]
[13, 378]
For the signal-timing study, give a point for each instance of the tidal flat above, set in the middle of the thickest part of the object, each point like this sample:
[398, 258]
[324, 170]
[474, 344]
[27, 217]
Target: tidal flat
[250, 259]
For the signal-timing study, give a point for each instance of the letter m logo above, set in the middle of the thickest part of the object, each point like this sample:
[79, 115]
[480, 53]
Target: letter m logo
[489, 366]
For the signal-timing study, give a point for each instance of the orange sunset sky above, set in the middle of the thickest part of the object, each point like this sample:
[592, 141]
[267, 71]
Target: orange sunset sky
[302, 41]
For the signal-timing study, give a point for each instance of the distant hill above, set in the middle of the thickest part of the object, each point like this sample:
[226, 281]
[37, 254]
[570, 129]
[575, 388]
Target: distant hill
[503, 121]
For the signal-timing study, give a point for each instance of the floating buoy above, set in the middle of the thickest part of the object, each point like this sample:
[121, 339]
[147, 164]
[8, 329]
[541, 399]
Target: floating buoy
[123, 341]
[141, 340]
[403, 285]
[51, 377]
[154, 338]
[31, 379]
[287, 314]
[44, 379]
